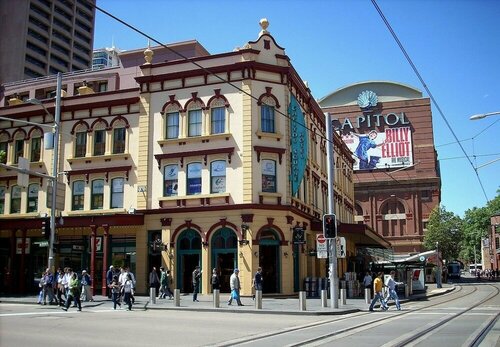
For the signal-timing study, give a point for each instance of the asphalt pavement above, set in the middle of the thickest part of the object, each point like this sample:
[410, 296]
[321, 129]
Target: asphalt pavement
[270, 304]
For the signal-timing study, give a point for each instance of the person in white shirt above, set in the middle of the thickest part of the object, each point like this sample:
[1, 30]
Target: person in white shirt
[391, 286]
[367, 282]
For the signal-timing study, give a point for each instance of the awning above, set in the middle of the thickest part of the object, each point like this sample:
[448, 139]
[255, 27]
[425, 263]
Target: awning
[362, 235]
[417, 258]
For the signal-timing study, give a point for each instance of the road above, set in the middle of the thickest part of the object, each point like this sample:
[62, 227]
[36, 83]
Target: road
[454, 319]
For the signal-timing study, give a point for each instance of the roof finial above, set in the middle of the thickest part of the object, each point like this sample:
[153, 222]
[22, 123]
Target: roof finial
[263, 24]
[148, 54]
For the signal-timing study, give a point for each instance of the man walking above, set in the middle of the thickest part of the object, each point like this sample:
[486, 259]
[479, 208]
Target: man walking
[257, 280]
[234, 282]
[109, 279]
[377, 288]
[391, 284]
[196, 282]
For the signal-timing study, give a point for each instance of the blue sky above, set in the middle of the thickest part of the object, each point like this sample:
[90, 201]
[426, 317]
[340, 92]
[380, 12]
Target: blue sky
[454, 43]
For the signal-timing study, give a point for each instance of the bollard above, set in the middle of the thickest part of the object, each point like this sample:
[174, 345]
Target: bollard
[324, 298]
[177, 297]
[258, 299]
[152, 295]
[343, 296]
[368, 296]
[407, 292]
[216, 298]
[302, 301]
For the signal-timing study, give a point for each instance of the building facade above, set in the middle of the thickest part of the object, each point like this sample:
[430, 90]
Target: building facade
[388, 128]
[44, 37]
[221, 164]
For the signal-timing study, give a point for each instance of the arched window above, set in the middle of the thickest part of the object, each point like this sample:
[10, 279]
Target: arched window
[100, 139]
[117, 192]
[80, 141]
[32, 198]
[267, 119]
[218, 176]
[18, 146]
[194, 119]
[78, 193]
[359, 210]
[4, 147]
[170, 180]
[15, 199]
[394, 218]
[190, 239]
[36, 145]
[193, 179]
[97, 195]
[119, 136]
[217, 116]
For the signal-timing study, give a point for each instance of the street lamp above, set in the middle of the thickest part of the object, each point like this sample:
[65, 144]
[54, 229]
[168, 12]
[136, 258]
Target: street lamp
[55, 162]
[484, 115]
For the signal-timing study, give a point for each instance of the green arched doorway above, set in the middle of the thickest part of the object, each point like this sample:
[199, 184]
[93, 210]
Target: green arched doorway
[269, 260]
[224, 248]
[188, 256]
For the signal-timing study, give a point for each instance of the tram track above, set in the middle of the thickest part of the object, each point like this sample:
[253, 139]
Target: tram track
[457, 294]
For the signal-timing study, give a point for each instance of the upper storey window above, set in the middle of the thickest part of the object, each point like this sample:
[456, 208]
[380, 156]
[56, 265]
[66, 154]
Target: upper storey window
[194, 121]
[267, 117]
[193, 179]
[18, 146]
[119, 136]
[4, 147]
[81, 141]
[99, 141]
[172, 122]
[36, 145]
[268, 176]
[218, 120]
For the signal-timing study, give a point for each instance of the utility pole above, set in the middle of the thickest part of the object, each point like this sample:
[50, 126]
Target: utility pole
[332, 249]
[55, 170]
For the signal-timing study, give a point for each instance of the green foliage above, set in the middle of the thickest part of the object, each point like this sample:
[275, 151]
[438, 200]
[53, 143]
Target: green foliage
[3, 156]
[476, 227]
[446, 228]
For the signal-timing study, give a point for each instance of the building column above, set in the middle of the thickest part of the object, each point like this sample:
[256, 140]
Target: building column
[93, 238]
[105, 259]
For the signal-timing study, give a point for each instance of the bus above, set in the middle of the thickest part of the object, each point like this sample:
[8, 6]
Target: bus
[454, 270]
[474, 267]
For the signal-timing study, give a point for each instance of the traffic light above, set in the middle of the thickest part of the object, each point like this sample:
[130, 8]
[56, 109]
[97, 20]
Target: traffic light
[329, 226]
[46, 228]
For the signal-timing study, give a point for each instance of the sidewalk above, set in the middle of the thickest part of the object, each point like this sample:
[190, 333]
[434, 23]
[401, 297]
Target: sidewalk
[270, 305]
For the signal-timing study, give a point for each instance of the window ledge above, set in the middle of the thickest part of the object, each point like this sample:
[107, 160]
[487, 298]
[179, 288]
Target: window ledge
[270, 196]
[194, 200]
[20, 215]
[276, 136]
[94, 212]
[194, 139]
[105, 157]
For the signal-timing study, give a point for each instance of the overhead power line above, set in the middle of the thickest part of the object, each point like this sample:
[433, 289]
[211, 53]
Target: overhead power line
[431, 96]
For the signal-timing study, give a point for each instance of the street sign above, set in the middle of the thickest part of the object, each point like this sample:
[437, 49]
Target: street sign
[321, 247]
[298, 236]
[60, 196]
[23, 178]
[341, 247]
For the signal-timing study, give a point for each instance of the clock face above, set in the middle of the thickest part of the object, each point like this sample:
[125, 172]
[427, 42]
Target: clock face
[367, 99]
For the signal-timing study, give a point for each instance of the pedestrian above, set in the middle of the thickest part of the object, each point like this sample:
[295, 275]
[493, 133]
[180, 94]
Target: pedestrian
[391, 285]
[114, 289]
[257, 282]
[169, 283]
[73, 292]
[40, 286]
[134, 283]
[377, 288]
[60, 287]
[128, 291]
[154, 280]
[47, 287]
[367, 282]
[86, 283]
[163, 284]
[234, 283]
[196, 282]
[214, 281]
[109, 278]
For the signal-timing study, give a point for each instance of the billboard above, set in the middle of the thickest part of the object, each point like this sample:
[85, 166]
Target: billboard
[391, 148]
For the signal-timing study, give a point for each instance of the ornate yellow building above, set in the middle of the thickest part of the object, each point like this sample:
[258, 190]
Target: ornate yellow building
[217, 161]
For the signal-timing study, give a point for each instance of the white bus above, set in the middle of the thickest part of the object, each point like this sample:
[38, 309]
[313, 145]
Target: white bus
[474, 267]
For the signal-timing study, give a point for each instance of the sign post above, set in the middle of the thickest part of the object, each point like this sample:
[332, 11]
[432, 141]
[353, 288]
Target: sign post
[321, 247]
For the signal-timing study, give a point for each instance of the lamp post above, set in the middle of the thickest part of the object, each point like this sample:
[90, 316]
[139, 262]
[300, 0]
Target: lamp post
[55, 162]
[483, 115]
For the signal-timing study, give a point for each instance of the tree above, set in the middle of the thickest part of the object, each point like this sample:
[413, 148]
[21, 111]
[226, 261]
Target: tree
[446, 228]
[476, 227]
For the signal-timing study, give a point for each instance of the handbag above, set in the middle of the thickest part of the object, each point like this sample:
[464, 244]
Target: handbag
[234, 294]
